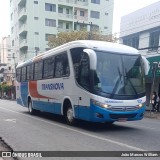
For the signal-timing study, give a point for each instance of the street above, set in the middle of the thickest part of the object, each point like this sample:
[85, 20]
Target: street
[47, 132]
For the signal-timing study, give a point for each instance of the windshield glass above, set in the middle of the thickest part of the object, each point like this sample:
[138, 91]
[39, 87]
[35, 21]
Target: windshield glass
[119, 74]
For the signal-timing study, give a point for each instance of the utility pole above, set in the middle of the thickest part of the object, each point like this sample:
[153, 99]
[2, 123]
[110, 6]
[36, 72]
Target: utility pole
[90, 35]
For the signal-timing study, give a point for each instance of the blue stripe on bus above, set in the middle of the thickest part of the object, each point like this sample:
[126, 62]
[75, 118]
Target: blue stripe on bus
[19, 101]
[24, 92]
[47, 107]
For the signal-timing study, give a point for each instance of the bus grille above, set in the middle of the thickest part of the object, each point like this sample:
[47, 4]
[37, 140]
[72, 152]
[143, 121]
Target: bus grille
[117, 116]
[122, 108]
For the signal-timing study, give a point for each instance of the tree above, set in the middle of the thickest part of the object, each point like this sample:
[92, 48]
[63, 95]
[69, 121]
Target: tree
[64, 37]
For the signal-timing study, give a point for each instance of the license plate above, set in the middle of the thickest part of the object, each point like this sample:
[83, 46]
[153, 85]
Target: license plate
[122, 119]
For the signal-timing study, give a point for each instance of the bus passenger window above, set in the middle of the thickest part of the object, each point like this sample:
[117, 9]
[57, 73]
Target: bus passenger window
[84, 78]
[18, 74]
[48, 67]
[61, 65]
[24, 74]
[31, 71]
[28, 70]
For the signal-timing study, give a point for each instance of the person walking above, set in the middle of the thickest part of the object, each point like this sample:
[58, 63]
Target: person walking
[158, 102]
[154, 101]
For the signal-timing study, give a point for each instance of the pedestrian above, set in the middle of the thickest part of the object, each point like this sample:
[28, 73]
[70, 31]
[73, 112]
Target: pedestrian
[154, 101]
[158, 102]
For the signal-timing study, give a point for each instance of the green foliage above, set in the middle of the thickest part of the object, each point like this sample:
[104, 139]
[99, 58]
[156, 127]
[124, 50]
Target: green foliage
[64, 37]
[5, 87]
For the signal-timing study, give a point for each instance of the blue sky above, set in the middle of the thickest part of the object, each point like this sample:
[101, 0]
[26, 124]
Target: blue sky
[122, 7]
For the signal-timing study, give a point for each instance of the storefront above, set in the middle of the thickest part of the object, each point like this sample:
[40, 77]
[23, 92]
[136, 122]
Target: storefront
[149, 77]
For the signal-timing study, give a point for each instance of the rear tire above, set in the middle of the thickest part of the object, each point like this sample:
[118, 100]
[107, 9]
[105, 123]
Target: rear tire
[30, 108]
[69, 115]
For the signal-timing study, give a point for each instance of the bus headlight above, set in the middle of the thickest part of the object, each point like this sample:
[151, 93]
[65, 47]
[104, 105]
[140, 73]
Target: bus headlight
[97, 103]
[140, 105]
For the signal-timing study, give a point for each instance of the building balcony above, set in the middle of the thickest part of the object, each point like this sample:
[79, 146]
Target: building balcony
[81, 3]
[23, 29]
[65, 16]
[22, 15]
[66, 1]
[23, 44]
[64, 29]
[80, 18]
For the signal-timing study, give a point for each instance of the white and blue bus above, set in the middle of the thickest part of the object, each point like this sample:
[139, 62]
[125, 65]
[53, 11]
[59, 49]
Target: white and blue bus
[89, 80]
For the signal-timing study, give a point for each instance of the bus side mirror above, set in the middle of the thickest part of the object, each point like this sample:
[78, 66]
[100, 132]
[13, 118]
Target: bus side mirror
[92, 58]
[146, 65]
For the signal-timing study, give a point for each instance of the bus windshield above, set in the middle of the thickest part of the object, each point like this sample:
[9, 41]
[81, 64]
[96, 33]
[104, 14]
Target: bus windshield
[119, 75]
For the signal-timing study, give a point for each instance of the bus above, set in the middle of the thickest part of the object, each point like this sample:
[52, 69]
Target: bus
[90, 80]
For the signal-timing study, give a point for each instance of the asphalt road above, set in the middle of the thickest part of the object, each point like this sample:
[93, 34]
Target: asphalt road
[47, 132]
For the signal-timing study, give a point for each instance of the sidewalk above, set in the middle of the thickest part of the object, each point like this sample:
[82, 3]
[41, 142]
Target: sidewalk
[150, 114]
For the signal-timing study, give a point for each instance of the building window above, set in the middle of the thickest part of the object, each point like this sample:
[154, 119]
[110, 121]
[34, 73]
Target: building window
[75, 12]
[95, 1]
[132, 41]
[67, 25]
[12, 29]
[95, 14]
[36, 18]
[48, 36]
[60, 24]
[50, 22]
[13, 43]
[35, 2]
[47, 49]
[11, 16]
[82, 13]
[60, 10]
[154, 40]
[67, 11]
[36, 33]
[75, 26]
[50, 7]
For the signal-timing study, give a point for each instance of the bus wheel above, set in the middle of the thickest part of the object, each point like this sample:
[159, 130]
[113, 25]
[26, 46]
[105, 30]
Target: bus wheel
[30, 108]
[69, 115]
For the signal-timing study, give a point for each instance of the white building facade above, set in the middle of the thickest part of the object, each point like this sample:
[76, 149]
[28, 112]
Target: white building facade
[7, 63]
[141, 30]
[33, 21]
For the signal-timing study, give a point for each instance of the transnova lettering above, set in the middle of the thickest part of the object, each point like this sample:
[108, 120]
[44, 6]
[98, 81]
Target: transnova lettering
[112, 101]
[53, 86]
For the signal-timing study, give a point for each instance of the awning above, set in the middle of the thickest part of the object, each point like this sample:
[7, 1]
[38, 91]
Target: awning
[151, 60]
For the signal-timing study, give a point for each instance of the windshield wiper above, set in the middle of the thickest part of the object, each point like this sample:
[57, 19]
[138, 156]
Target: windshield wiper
[100, 90]
[131, 83]
[117, 82]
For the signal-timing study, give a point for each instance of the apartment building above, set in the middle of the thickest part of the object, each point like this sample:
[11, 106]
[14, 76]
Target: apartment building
[5, 50]
[33, 21]
[7, 63]
[141, 30]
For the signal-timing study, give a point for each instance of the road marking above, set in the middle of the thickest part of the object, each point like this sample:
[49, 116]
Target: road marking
[10, 120]
[81, 132]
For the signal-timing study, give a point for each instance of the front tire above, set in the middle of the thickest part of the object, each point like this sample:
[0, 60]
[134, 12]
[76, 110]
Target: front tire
[69, 115]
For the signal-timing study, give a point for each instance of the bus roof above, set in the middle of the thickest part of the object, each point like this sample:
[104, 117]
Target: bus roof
[92, 44]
